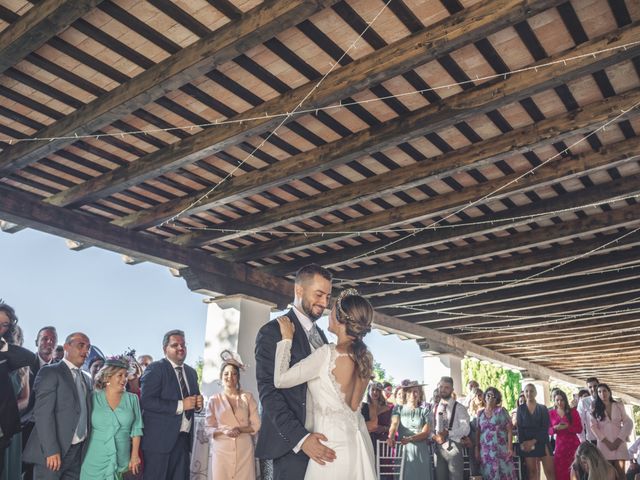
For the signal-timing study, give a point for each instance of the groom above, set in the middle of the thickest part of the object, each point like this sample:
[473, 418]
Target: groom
[286, 413]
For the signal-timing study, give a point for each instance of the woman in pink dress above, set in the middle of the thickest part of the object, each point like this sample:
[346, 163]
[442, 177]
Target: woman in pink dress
[565, 425]
[612, 426]
[232, 417]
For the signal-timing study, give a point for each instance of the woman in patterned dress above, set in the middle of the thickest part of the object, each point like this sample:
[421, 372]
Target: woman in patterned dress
[494, 439]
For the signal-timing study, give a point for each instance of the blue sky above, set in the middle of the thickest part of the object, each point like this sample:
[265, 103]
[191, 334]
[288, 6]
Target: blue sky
[121, 306]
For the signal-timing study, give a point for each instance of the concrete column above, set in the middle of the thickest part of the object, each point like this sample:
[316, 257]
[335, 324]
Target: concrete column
[232, 324]
[629, 409]
[438, 365]
[542, 388]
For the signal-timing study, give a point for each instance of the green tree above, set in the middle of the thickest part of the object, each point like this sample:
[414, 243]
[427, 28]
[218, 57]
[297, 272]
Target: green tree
[490, 375]
[380, 374]
[199, 366]
[636, 418]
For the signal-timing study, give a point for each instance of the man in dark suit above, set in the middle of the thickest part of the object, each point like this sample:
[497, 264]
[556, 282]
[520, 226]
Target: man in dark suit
[169, 396]
[62, 414]
[286, 413]
[46, 341]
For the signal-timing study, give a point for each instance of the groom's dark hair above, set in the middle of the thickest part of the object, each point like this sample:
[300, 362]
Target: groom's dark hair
[307, 272]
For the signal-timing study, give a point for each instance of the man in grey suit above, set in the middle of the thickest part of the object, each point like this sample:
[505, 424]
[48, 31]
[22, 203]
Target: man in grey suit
[62, 414]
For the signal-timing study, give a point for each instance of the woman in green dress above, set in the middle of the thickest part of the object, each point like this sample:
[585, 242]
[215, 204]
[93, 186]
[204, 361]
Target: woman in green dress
[116, 425]
[413, 425]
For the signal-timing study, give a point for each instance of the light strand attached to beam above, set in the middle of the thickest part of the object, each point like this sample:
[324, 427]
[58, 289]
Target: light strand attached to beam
[298, 111]
[492, 193]
[275, 130]
[477, 282]
[535, 275]
[532, 217]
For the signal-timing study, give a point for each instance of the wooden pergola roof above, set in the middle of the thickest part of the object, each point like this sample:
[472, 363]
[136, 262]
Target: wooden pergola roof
[472, 166]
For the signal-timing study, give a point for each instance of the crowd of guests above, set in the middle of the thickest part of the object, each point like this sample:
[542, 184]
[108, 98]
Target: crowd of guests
[124, 417]
[578, 439]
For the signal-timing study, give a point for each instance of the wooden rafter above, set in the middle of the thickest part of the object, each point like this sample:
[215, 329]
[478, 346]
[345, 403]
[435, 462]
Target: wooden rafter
[453, 110]
[37, 26]
[219, 46]
[437, 40]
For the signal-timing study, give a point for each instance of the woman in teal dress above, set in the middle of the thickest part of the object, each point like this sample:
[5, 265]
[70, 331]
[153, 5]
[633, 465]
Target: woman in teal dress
[116, 426]
[413, 425]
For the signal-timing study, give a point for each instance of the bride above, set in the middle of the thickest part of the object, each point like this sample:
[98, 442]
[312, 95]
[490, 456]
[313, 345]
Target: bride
[337, 376]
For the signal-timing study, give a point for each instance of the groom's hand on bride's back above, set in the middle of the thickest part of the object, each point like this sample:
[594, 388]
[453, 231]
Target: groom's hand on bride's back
[316, 451]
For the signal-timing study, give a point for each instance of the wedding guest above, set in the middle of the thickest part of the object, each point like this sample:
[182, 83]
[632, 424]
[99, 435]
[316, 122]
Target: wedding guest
[477, 403]
[376, 413]
[585, 407]
[472, 386]
[116, 425]
[413, 426]
[169, 396]
[494, 439]
[611, 426]
[634, 468]
[46, 341]
[590, 464]
[398, 395]
[12, 358]
[435, 397]
[58, 354]
[94, 367]
[20, 386]
[451, 433]
[387, 391]
[145, 361]
[133, 378]
[565, 425]
[62, 412]
[533, 434]
[233, 420]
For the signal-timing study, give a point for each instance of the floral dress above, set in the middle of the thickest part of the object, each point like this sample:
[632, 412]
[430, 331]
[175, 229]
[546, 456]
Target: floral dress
[495, 453]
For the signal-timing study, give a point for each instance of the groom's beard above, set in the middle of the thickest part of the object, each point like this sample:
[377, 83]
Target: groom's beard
[307, 309]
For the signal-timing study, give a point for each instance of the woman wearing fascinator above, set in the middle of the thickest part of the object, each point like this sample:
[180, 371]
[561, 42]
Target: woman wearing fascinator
[337, 376]
[233, 420]
[116, 424]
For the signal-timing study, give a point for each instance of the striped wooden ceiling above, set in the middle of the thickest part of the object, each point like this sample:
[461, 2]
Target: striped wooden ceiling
[472, 166]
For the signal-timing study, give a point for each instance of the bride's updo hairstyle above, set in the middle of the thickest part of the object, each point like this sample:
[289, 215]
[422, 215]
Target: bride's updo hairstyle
[356, 313]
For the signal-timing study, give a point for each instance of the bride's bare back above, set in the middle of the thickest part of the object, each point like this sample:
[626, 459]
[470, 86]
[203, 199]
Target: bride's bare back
[346, 375]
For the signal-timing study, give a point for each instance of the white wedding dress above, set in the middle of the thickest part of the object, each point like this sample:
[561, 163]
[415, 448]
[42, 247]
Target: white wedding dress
[345, 429]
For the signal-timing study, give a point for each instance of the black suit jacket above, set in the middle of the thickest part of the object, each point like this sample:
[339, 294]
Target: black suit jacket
[160, 393]
[14, 358]
[34, 368]
[56, 413]
[283, 410]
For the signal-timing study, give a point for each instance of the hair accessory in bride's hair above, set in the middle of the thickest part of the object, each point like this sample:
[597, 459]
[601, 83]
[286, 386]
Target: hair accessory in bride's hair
[232, 358]
[349, 292]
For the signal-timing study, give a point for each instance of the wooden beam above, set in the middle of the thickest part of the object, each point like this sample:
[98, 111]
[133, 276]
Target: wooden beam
[254, 27]
[371, 140]
[37, 26]
[551, 173]
[628, 216]
[474, 297]
[29, 211]
[445, 317]
[384, 321]
[548, 257]
[446, 113]
[8, 227]
[471, 24]
[517, 217]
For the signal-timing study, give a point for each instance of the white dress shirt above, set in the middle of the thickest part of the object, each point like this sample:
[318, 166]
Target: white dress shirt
[461, 425]
[185, 426]
[76, 371]
[584, 410]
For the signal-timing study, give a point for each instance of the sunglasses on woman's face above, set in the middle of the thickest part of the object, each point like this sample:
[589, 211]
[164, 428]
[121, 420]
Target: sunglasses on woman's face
[490, 395]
